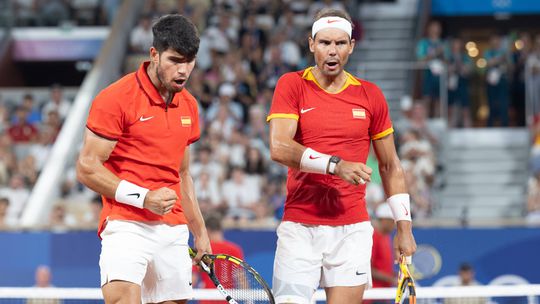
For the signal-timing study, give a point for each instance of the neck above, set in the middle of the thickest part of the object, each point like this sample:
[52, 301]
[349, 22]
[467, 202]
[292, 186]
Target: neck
[330, 83]
[151, 70]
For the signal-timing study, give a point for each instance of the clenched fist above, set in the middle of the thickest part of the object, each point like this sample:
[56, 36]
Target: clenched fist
[353, 172]
[160, 201]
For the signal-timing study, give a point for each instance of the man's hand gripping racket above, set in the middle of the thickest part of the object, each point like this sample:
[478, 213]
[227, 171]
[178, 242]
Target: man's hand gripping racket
[235, 279]
[405, 286]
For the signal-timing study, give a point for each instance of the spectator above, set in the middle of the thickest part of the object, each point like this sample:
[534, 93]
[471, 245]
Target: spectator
[207, 191]
[60, 220]
[42, 147]
[241, 194]
[533, 194]
[56, 103]
[430, 52]
[255, 164]
[141, 36]
[54, 12]
[226, 93]
[466, 278]
[43, 279]
[91, 216]
[17, 193]
[533, 63]
[34, 114]
[22, 132]
[498, 66]
[382, 259]
[459, 71]
[6, 222]
[205, 163]
[519, 57]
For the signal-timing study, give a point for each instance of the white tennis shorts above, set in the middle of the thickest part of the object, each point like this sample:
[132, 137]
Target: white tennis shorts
[154, 256]
[308, 256]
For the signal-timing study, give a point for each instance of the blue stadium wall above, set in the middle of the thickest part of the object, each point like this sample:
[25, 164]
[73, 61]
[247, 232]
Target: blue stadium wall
[73, 257]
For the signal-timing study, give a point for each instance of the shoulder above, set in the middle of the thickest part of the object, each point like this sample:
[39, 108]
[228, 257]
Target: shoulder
[291, 78]
[117, 92]
[368, 86]
[190, 99]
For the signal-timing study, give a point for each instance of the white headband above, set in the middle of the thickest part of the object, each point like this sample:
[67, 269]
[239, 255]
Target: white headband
[331, 22]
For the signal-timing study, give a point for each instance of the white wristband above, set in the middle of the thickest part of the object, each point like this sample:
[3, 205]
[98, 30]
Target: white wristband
[400, 204]
[130, 194]
[314, 162]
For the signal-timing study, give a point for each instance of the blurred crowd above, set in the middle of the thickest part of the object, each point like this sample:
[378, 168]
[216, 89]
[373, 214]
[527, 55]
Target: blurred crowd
[59, 12]
[500, 68]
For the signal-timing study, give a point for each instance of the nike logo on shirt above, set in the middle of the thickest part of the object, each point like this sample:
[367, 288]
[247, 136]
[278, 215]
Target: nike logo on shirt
[360, 273]
[306, 110]
[145, 118]
[134, 194]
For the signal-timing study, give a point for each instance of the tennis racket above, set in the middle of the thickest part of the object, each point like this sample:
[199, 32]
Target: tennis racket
[426, 262]
[405, 288]
[238, 282]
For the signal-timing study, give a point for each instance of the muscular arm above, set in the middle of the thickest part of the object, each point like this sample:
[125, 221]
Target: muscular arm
[192, 210]
[283, 148]
[91, 172]
[393, 180]
[90, 169]
[390, 169]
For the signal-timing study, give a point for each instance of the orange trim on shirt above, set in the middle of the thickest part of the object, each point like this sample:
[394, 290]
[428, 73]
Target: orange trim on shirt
[351, 80]
[382, 134]
[282, 115]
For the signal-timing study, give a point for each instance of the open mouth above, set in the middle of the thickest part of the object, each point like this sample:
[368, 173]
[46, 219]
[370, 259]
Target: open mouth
[180, 82]
[332, 64]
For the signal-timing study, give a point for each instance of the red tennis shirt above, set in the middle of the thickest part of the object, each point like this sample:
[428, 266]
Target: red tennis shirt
[342, 124]
[151, 139]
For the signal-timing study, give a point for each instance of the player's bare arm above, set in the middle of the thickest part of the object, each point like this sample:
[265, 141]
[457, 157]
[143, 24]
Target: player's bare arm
[91, 172]
[395, 186]
[192, 210]
[285, 150]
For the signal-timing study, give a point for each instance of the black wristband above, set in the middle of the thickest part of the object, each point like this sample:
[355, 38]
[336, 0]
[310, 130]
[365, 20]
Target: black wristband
[334, 160]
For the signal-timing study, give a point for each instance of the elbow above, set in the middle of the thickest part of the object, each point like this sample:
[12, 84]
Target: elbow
[275, 153]
[83, 169]
[391, 168]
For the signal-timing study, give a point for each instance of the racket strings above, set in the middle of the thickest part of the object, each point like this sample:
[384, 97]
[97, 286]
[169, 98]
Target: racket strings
[241, 284]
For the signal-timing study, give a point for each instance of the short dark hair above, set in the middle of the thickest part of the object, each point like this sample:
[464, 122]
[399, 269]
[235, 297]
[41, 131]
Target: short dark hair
[332, 12]
[177, 33]
[465, 267]
[213, 221]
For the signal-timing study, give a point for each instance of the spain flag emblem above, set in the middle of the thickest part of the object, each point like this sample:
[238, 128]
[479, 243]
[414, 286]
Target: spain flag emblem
[186, 121]
[359, 113]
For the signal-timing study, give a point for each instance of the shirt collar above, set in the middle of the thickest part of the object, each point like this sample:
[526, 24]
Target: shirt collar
[149, 89]
[351, 80]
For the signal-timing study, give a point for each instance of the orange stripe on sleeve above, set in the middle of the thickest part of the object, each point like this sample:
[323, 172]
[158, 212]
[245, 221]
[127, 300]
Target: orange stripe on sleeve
[382, 134]
[282, 115]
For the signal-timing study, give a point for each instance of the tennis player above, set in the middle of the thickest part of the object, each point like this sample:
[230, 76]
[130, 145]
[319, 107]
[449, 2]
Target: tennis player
[322, 122]
[136, 155]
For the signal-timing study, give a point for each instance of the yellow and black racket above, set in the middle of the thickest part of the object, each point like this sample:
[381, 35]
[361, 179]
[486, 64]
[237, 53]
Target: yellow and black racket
[405, 288]
[238, 282]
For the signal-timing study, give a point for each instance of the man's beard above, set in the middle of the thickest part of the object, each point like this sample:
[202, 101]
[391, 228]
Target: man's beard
[161, 78]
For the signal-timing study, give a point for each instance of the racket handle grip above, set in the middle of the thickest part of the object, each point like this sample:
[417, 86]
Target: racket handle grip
[408, 259]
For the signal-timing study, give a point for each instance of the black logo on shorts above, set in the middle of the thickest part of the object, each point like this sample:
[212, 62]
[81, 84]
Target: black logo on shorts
[360, 273]
[190, 283]
[134, 194]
